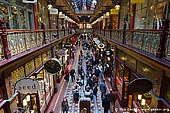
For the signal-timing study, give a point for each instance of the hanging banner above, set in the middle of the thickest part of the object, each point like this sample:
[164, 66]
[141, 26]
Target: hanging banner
[29, 1]
[137, 1]
[61, 15]
[114, 11]
[27, 86]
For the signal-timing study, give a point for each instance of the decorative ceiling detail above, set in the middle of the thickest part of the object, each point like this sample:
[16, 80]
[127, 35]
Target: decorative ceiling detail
[83, 10]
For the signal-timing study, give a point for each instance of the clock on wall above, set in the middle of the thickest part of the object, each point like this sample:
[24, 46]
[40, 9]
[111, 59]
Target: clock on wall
[52, 66]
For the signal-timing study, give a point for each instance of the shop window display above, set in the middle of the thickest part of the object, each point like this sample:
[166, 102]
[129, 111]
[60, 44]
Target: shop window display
[119, 78]
[22, 19]
[38, 62]
[34, 103]
[167, 95]
[29, 67]
[131, 61]
[41, 92]
[14, 17]
[150, 14]
[4, 15]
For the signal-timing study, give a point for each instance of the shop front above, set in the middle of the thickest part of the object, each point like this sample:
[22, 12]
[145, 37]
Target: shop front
[128, 69]
[32, 69]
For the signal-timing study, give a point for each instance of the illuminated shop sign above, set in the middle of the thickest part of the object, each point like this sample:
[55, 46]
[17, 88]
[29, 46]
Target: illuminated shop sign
[108, 52]
[67, 46]
[27, 86]
[53, 11]
[101, 46]
[29, 1]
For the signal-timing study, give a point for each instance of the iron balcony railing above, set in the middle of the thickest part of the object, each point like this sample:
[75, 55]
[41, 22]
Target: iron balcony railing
[148, 41]
[19, 41]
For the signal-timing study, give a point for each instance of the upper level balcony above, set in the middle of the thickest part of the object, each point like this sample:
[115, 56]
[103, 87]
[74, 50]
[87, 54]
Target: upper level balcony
[155, 43]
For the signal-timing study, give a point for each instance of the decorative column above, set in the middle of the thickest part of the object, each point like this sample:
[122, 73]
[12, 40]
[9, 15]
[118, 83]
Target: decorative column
[35, 16]
[44, 36]
[132, 15]
[163, 38]
[7, 52]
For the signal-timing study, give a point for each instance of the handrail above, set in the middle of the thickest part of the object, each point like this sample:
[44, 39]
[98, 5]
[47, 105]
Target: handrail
[19, 41]
[146, 40]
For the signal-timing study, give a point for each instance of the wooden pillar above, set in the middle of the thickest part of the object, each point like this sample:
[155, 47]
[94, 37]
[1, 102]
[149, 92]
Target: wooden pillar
[7, 52]
[35, 16]
[114, 21]
[132, 16]
[44, 36]
[49, 20]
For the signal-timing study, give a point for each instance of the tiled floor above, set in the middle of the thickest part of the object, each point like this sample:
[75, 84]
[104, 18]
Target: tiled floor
[66, 91]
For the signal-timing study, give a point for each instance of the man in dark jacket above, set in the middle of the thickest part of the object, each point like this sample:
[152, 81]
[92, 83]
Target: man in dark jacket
[112, 98]
[72, 73]
[106, 104]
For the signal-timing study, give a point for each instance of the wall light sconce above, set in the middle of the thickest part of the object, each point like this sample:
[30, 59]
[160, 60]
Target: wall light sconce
[139, 97]
[117, 5]
[49, 6]
[143, 102]
[107, 65]
[24, 102]
[28, 98]
[107, 13]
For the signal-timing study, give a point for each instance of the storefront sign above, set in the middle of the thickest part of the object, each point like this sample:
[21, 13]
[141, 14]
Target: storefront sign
[137, 1]
[61, 15]
[97, 41]
[114, 11]
[140, 86]
[53, 11]
[101, 46]
[52, 66]
[27, 85]
[108, 52]
[67, 46]
[29, 1]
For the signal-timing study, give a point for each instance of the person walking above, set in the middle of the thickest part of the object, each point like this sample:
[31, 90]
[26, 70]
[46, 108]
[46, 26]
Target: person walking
[65, 106]
[95, 89]
[103, 89]
[72, 74]
[112, 98]
[106, 104]
[67, 72]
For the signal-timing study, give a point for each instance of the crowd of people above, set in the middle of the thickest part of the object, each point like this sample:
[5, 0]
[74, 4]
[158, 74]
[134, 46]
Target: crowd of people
[89, 81]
